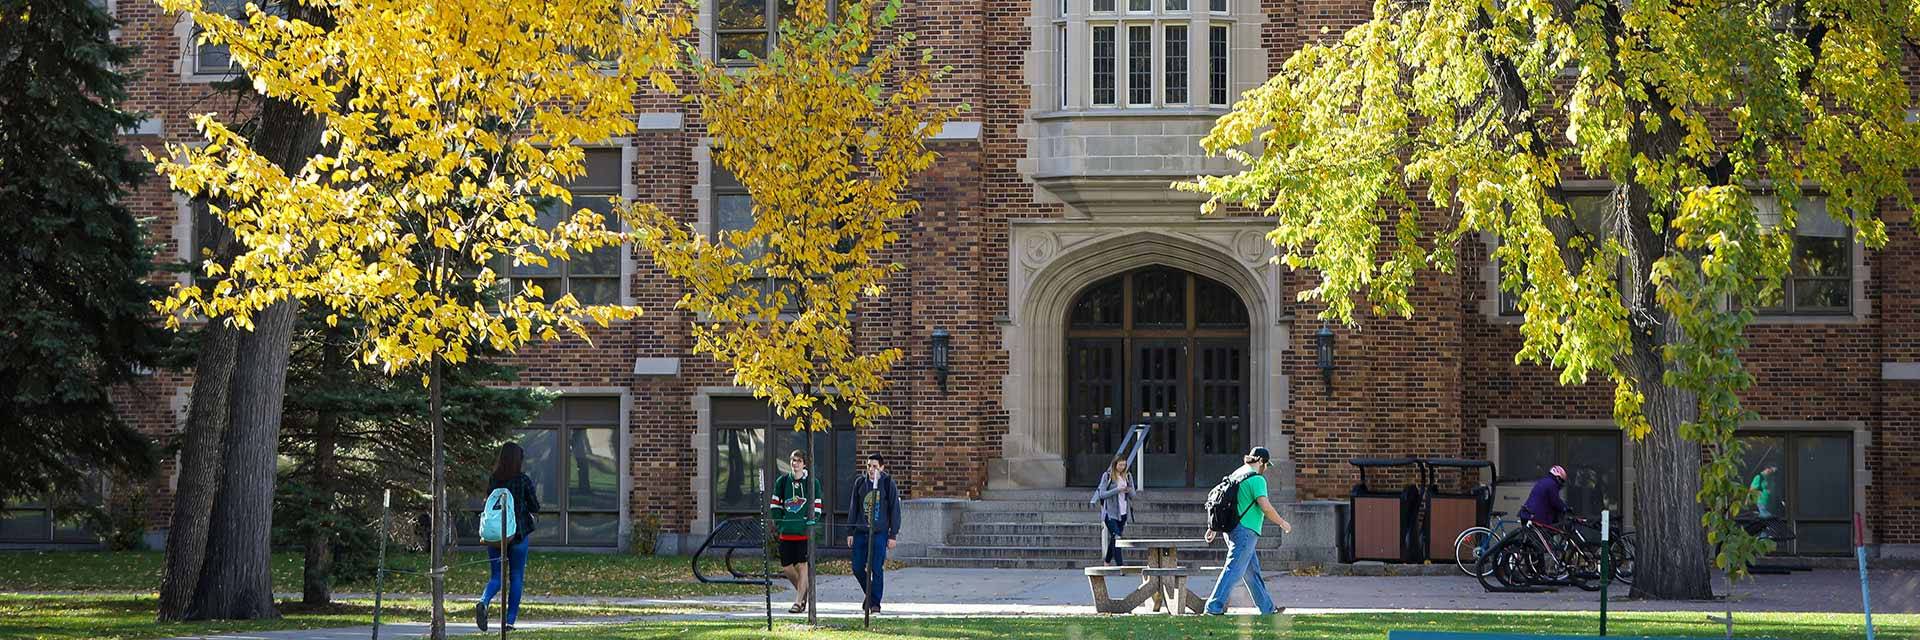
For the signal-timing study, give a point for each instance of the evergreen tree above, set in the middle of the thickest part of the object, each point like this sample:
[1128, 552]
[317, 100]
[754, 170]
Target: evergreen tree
[353, 432]
[75, 318]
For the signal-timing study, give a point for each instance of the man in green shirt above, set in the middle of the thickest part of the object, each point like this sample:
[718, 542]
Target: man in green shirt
[1764, 486]
[795, 507]
[1243, 556]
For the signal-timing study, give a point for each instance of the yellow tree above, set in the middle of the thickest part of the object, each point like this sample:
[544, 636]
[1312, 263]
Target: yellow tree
[825, 133]
[446, 124]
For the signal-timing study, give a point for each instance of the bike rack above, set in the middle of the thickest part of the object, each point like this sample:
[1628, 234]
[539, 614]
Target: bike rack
[734, 534]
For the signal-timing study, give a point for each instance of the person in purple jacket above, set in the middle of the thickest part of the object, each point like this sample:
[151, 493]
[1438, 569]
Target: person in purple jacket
[1544, 504]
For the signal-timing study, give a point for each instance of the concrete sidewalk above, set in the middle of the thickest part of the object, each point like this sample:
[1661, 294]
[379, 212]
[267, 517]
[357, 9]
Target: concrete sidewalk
[926, 592]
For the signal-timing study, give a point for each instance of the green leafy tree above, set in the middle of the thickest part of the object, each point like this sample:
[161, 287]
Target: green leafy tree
[1432, 122]
[352, 433]
[74, 314]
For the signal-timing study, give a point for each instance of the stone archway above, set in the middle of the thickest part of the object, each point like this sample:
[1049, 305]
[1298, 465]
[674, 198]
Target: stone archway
[1054, 260]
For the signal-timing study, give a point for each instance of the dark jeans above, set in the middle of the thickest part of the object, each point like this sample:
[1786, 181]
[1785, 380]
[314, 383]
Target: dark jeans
[1115, 526]
[870, 555]
[517, 562]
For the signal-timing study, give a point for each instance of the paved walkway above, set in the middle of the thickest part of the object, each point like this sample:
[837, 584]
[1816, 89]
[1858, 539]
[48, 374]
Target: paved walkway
[918, 592]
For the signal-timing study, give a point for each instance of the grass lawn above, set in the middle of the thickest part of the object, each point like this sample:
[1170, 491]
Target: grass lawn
[131, 617]
[572, 574]
[611, 575]
[1332, 627]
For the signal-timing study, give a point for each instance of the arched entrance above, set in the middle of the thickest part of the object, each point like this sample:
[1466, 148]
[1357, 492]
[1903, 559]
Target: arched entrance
[1162, 346]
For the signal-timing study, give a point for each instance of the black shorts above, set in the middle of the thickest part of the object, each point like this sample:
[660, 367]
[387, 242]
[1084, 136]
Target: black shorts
[793, 552]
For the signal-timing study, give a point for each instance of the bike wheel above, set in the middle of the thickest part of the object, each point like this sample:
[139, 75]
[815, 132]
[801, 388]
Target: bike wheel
[1623, 550]
[1469, 546]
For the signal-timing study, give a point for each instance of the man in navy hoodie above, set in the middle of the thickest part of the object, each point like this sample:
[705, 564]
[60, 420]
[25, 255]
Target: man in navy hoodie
[1544, 504]
[876, 524]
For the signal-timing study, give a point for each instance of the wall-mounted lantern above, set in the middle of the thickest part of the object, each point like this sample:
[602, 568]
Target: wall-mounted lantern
[941, 345]
[1323, 344]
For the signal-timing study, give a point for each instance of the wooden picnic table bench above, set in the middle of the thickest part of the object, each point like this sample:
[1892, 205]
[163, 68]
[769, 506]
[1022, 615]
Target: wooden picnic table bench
[1162, 578]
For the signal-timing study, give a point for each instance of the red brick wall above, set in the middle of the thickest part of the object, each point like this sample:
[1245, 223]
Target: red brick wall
[1424, 386]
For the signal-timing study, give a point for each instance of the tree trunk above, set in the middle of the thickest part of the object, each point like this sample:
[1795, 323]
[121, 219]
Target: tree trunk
[199, 472]
[317, 571]
[237, 583]
[437, 546]
[1672, 559]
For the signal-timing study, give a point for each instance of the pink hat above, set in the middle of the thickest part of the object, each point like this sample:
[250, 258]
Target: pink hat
[1558, 472]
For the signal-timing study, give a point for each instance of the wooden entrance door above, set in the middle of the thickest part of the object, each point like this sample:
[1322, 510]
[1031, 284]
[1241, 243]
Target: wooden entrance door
[1163, 347]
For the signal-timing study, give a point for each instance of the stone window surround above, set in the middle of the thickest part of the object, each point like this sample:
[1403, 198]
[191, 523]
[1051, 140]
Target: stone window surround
[188, 63]
[701, 483]
[1862, 304]
[1054, 260]
[1043, 62]
[1629, 474]
[183, 225]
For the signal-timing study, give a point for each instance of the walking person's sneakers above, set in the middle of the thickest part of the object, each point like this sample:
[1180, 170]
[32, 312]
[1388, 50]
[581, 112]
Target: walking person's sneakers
[480, 616]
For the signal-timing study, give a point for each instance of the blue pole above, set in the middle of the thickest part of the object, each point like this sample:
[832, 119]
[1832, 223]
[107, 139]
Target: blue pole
[1860, 554]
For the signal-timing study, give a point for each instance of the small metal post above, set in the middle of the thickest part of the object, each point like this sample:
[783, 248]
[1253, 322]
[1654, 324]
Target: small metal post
[1606, 565]
[380, 572]
[506, 581]
[1860, 553]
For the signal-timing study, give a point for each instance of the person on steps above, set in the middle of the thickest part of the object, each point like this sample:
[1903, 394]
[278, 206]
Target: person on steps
[795, 505]
[1115, 488]
[526, 502]
[875, 517]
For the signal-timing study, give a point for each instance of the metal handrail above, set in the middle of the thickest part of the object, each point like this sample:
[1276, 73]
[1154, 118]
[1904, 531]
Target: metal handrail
[1134, 447]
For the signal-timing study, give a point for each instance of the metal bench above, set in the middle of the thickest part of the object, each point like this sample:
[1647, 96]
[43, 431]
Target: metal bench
[734, 534]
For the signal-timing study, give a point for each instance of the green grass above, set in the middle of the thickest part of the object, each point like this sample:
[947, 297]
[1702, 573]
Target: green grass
[131, 617]
[1331, 627]
[548, 574]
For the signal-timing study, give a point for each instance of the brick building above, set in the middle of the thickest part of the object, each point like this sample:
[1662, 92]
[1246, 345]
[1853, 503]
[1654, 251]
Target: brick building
[1081, 296]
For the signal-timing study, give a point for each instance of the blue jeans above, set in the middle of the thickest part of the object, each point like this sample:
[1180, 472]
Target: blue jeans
[517, 556]
[1243, 560]
[870, 554]
[1112, 553]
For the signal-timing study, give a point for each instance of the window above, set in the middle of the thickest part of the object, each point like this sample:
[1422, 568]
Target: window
[217, 59]
[592, 278]
[39, 522]
[1060, 38]
[750, 26]
[1217, 64]
[1176, 43]
[1103, 81]
[1820, 278]
[1806, 481]
[1140, 65]
[1217, 6]
[573, 455]
[1139, 57]
[1591, 457]
[750, 448]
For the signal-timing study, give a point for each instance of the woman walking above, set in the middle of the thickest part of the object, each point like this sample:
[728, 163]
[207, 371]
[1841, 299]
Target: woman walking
[1116, 487]
[795, 505]
[526, 502]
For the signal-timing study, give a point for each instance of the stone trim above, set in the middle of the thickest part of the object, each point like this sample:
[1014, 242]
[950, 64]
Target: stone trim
[1053, 260]
[1900, 371]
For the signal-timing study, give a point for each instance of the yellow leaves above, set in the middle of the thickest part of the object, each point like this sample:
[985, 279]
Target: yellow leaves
[454, 119]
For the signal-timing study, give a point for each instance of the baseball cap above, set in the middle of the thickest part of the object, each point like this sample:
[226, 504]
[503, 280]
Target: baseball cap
[1261, 453]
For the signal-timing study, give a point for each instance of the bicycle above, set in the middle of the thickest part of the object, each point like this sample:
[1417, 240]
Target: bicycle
[1474, 542]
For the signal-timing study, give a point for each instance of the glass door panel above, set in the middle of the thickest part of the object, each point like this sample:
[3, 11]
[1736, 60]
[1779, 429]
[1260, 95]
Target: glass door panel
[1156, 385]
[1096, 423]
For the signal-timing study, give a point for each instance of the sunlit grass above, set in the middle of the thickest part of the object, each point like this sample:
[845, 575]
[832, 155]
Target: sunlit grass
[131, 617]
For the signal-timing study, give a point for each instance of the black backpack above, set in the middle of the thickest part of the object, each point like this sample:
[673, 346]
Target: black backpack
[1221, 516]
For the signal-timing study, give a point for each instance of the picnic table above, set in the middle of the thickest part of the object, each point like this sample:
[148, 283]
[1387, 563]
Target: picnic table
[1162, 578]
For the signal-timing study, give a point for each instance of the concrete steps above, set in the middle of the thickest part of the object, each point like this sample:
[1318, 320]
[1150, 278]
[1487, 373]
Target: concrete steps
[1060, 529]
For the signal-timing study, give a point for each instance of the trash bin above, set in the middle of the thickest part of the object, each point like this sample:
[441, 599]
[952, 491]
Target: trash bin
[1384, 525]
[1450, 512]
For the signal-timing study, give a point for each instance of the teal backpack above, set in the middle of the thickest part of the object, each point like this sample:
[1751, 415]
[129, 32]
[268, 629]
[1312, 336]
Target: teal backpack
[497, 521]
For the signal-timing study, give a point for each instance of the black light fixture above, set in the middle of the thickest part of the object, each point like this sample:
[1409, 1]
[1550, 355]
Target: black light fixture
[941, 345]
[1323, 344]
